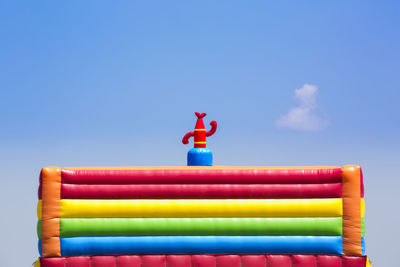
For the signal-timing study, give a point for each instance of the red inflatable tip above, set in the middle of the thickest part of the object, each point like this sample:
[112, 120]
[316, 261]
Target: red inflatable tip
[200, 115]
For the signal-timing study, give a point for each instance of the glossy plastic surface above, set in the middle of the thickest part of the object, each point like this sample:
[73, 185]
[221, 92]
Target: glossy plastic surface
[260, 260]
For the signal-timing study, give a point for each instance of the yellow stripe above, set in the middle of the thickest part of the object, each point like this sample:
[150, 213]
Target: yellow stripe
[199, 130]
[39, 209]
[37, 263]
[362, 208]
[77, 208]
[199, 142]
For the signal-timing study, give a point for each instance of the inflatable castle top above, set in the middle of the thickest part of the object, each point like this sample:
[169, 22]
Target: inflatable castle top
[201, 215]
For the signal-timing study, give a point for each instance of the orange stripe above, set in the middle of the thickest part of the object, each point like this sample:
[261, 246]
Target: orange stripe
[51, 187]
[351, 194]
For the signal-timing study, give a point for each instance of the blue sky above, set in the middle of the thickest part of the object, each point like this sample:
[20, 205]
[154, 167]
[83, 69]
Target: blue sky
[97, 83]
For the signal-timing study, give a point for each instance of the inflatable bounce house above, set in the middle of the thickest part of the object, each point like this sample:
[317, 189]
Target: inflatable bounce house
[201, 215]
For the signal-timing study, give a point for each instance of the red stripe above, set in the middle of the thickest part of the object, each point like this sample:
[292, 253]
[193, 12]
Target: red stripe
[79, 191]
[228, 261]
[199, 136]
[361, 183]
[40, 187]
[257, 260]
[202, 176]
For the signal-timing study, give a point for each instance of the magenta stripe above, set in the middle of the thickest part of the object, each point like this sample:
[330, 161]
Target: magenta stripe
[184, 260]
[177, 191]
[361, 183]
[202, 176]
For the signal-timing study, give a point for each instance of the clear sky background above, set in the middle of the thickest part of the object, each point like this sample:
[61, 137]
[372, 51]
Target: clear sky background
[100, 83]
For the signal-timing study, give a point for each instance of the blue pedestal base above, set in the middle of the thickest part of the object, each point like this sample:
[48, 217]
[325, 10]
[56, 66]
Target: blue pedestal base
[199, 157]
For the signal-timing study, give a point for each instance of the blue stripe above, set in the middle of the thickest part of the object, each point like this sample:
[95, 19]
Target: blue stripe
[362, 246]
[71, 246]
[40, 247]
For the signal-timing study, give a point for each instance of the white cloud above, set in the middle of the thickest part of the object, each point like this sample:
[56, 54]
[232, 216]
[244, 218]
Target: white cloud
[304, 116]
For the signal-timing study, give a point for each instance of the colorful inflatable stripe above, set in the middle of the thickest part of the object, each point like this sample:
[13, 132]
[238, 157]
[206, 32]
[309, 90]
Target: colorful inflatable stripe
[70, 227]
[75, 208]
[196, 210]
[181, 191]
[71, 246]
[207, 261]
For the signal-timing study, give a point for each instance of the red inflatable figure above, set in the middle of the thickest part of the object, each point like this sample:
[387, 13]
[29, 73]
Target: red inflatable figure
[200, 133]
[200, 155]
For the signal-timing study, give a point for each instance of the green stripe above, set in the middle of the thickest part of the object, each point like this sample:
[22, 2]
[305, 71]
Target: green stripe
[199, 226]
[133, 226]
[39, 229]
[362, 227]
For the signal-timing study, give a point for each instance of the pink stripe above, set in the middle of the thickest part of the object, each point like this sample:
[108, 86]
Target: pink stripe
[348, 261]
[228, 261]
[202, 176]
[206, 261]
[40, 187]
[362, 183]
[279, 261]
[171, 191]
[304, 260]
